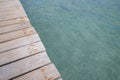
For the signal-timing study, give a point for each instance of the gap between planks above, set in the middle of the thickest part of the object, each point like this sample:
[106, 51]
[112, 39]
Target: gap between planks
[14, 21]
[16, 34]
[12, 14]
[18, 42]
[14, 27]
[27, 50]
[23, 66]
[48, 72]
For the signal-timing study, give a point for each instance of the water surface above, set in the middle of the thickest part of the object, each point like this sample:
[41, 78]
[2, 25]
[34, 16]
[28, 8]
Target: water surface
[82, 37]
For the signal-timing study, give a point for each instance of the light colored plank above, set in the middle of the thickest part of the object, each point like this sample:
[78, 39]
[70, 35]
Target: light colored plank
[16, 34]
[21, 52]
[48, 72]
[18, 42]
[12, 12]
[17, 8]
[7, 13]
[16, 11]
[14, 69]
[6, 9]
[9, 7]
[12, 16]
[6, 0]
[14, 27]
[11, 2]
[13, 21]
[3, 0]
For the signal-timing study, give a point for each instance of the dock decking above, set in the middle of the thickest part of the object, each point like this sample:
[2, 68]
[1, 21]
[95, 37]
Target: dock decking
[22, 54]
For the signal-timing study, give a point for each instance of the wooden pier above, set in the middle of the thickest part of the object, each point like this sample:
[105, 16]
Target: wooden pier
[22, 54]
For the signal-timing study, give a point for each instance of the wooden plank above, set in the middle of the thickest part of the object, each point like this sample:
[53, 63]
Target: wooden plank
[12, 12]
[6, 9]
[12, 16]
[16, 34]
[18, 42]
[13, 21]
[17, 68]
[21, 52]
[16, 8]
[6, 0]
[8, 6]
[11, 2]
[48, 72]
[7, 13]
[14, 27]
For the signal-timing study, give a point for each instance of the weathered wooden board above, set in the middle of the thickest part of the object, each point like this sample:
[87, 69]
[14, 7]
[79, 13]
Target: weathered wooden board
[16, 14]
[14, 27]
[13, 21]
[16, 34]
[9, 8]
[10, 5]
[7, 13]
[48, 72]
[6, 0]
[23, 66]
[12, 16]
[14, 11]
[18, 53]
[18, 42]
[11, 2]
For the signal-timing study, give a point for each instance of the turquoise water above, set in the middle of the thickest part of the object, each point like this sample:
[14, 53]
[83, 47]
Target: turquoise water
[82, 37]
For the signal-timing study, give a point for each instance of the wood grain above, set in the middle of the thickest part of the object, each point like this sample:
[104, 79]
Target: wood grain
[16, 34]
[23, 66]
[14, 27]
[9, 3]
[21, 52]
[18, 42]
[48, 72]
[13, 21]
